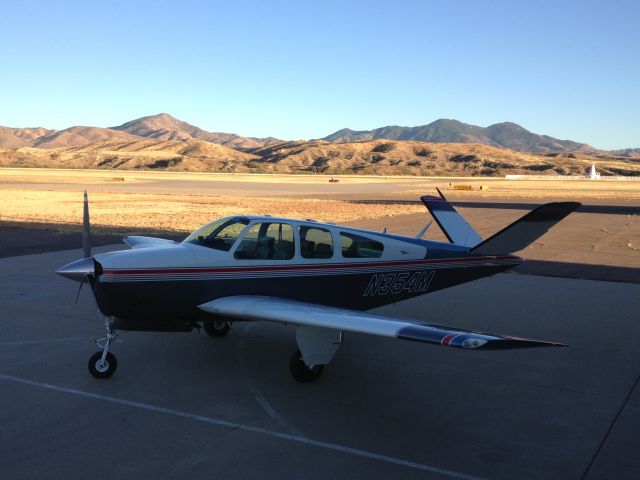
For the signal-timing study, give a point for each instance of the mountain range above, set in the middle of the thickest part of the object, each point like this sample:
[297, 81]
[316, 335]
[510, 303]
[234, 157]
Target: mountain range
[166, 127]
[506, 134]
[162, 127]
[444, 147]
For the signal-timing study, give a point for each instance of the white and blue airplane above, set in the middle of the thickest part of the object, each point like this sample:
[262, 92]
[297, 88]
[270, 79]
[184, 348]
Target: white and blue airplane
[319, 277]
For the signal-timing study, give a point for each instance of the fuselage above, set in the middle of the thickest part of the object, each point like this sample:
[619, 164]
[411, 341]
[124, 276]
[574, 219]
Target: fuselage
[326, 264]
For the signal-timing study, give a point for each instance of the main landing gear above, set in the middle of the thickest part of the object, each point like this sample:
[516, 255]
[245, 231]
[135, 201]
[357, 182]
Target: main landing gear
[303, 372]
[316, 348]
[103, 363]
[216, 328]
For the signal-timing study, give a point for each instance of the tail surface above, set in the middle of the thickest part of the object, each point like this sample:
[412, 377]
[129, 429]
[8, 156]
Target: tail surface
[452, 224]
[525, 230]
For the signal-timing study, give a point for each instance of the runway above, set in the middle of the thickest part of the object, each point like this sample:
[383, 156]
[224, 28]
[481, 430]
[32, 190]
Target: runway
[188, 406]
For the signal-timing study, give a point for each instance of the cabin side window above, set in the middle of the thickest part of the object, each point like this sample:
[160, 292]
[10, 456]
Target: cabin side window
[357, 246]
[315, 242]
[267, 241]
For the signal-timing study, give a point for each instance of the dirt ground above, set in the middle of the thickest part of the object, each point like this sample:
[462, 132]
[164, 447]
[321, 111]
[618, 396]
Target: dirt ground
[603, 234]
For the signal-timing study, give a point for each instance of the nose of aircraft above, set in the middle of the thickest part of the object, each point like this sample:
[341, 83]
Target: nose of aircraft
[78, 269]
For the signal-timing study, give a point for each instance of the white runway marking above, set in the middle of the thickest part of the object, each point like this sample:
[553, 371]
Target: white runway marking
[247, 428]
[51, 340]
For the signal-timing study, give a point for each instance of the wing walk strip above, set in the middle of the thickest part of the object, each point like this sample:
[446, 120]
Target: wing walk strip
[246, 428]
[115, 275]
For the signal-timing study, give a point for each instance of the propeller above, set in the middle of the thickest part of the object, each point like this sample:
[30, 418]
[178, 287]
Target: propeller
[86, 228]
[80, 270]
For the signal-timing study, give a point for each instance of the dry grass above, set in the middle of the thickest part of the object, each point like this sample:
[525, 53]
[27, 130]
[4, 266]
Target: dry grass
[53, 199]
[178, 213]
[130, 199]
[586, 191]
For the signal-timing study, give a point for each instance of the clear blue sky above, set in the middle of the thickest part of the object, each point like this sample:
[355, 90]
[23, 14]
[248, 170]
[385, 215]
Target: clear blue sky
[299, 69]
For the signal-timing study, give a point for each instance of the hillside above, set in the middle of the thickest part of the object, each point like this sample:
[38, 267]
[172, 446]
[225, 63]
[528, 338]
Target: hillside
[377, 157]
[165, 127]
[507, 135]
[139, 154]
[81, 136]
[387, 157]
[626, 152]
[161, 127]
[21, 137]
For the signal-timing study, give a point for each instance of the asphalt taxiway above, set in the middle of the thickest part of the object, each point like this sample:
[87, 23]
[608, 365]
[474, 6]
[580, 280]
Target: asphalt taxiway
[188, 406]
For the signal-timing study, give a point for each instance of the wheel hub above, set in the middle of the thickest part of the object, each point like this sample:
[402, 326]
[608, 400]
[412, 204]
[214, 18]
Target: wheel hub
[102, 366]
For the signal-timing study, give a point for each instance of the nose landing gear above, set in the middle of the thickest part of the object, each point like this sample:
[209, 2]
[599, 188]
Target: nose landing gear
[103, 363]
[100, 368]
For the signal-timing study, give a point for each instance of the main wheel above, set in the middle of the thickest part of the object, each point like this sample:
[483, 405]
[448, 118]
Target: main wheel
[216, 328]
[301, 372]
[100, 369]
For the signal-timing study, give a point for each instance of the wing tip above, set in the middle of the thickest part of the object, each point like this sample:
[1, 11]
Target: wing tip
[513, 343]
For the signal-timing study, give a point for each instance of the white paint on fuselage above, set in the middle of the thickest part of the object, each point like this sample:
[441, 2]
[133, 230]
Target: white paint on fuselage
[152, 257]
[186, 255]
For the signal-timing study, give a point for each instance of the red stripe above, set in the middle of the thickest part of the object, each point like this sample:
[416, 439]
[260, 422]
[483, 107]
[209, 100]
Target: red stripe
[447, 340]
[330, 266]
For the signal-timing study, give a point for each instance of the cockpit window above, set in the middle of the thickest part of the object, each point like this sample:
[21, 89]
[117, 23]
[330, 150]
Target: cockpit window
[220, 234]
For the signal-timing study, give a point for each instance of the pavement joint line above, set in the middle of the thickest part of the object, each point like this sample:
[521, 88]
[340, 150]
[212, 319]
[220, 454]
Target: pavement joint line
[255, 391]
[247, 428]
[610, 429]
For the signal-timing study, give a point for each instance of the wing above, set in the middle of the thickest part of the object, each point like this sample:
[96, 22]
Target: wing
[135, 241]
[274, 309]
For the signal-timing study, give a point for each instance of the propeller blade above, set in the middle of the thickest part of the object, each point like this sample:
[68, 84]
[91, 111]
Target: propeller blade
[85, 278]
[86, 228]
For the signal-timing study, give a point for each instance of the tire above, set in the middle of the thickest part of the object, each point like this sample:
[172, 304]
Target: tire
[301, 372]
[99, 370]
[216, 328]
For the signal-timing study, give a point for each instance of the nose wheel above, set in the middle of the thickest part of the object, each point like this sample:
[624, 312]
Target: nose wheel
[103, 363]
[100, 368]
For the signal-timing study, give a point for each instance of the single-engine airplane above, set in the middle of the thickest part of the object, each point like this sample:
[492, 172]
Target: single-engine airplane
[320, 277]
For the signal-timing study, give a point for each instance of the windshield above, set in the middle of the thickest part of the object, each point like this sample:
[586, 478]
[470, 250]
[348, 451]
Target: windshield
[220, 234]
